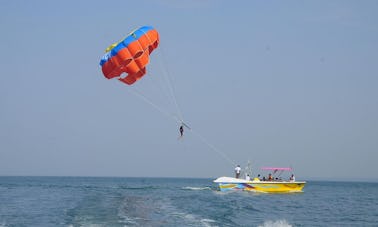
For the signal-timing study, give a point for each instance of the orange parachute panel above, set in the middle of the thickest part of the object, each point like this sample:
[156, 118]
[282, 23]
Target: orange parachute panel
[130, 56]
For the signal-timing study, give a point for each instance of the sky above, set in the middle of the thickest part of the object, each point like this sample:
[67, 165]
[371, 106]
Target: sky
[277, 83]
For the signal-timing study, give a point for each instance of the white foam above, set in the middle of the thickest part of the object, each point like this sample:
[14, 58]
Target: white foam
[196, 188]
[278, 223]
[195, 220]
[208, 222]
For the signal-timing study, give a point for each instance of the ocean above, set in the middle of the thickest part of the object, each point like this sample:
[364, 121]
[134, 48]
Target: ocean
[107, 201]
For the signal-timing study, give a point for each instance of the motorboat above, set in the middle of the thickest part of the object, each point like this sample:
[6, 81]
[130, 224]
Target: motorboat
[273, 183]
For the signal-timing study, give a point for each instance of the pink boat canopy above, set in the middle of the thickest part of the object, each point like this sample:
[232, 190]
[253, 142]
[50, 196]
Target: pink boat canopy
[277, 168]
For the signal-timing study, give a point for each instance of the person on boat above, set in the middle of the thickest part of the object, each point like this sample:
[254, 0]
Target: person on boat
[237, 171]
[181, 130]
[247, 177]
[270, 178]
[292, 178]
[257, 178]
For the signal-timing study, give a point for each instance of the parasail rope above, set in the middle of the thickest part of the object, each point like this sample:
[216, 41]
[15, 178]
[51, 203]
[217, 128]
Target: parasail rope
[138, 94]
[145, 99]
[203, 139]
[169, 82]
[172, 92]
[173, 96]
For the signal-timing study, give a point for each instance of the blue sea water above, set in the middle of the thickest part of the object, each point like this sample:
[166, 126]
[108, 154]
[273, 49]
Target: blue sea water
[94, 201]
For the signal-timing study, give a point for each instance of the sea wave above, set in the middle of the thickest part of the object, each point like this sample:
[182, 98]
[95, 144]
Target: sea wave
[138, 187]
[189, 219]
[278, 223]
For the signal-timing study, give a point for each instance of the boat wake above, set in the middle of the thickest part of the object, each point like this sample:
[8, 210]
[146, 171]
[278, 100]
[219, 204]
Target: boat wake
[196, 188]
[152, 211]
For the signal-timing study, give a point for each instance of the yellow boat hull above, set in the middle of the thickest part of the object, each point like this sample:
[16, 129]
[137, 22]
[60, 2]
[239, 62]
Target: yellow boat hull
[232, 184]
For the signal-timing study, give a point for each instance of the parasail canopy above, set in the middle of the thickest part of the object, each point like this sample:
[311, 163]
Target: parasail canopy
[131, 55]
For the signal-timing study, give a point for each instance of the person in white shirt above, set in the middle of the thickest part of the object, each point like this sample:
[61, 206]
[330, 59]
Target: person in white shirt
[247, 177]
[292, 178]
[237, 171]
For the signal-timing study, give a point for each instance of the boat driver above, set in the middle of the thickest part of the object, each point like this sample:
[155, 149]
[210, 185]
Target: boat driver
[237, 171]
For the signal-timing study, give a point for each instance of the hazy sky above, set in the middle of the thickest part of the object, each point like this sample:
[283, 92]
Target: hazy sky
[279, 83]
